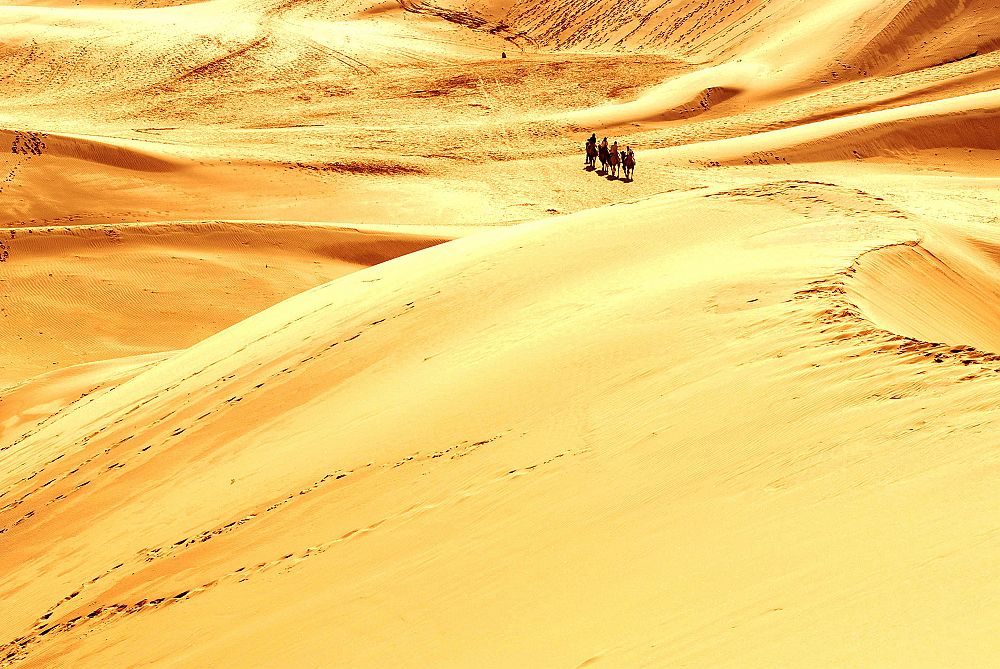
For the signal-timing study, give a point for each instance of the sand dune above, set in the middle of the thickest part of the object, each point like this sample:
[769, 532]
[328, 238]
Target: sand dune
[32, 402]
[953, 126]
[266, 508]
[924, 33]
[933, 292]
[87, 293]
[322, 348]
[115, 153]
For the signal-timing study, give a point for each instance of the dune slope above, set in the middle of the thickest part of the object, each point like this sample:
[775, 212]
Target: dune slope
[80, 294]
[733, 502]
[934, 291]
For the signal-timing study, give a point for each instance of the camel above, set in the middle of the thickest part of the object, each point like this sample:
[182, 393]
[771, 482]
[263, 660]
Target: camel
[591, 155]
[628, 162]
[615, 160]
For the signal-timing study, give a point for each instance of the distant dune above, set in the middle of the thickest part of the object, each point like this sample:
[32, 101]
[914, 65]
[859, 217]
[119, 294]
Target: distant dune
[322, 347]
[86, 293]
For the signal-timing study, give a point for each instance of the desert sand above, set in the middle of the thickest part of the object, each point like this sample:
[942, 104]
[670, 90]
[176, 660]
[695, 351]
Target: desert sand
[320, 347]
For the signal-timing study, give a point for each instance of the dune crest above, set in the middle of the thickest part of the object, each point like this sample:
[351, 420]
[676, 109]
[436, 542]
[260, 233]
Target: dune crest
[89, 293]
[104, 152]
[947, 295]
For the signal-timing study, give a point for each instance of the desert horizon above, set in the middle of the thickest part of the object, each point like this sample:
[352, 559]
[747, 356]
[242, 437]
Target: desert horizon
[325, 344]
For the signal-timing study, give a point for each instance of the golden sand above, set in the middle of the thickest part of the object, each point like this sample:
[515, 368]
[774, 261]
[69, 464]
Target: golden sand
[320, 347]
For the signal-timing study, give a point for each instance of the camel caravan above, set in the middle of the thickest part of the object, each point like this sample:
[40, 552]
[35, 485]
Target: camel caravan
[612, 160]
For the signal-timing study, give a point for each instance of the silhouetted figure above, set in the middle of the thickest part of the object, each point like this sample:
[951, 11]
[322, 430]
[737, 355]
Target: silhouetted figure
[602, 155]
[628, 162]
[591, 149]
[503, 54]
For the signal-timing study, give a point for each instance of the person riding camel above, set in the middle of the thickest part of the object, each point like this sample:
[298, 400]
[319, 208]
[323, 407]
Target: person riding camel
[590, 149]
[628, 161]
[615, 158]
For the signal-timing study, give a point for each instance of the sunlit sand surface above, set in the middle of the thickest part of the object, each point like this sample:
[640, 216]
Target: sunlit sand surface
[322, 348]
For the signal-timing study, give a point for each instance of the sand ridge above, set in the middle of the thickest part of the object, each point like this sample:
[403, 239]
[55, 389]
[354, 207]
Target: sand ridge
[322, 347]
